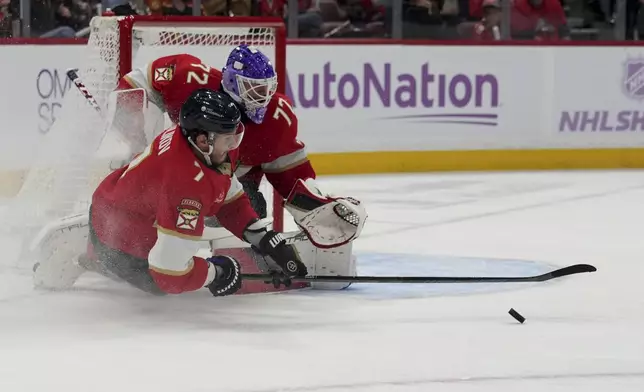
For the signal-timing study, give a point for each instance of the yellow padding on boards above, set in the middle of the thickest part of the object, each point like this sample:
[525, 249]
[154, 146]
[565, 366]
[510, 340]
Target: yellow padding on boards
[475, 160]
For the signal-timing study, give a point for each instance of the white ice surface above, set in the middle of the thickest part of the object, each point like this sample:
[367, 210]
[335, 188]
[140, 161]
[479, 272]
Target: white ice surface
[583, 333]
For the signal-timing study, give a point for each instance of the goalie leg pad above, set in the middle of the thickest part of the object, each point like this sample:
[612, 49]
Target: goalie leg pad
[57, 248]
[324, 262]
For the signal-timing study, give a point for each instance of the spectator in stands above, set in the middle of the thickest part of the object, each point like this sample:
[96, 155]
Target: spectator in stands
[351, 18]
[451, 8]
[6, 17]
[362, 13]
[533, 19]
[169, 7]
[489, 27]
[71, 16]
[226, 7]
[178, 7]
[41, 17]
[309, 18]
[334, 18]
[422, 11]
[634, 20]
[155, 7]
[539, 19]
[119, 7]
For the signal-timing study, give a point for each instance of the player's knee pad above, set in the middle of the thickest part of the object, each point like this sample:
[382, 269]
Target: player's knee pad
[56, 249]
[325, 262]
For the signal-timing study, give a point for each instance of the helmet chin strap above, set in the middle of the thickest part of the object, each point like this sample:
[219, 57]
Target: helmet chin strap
[206, 155]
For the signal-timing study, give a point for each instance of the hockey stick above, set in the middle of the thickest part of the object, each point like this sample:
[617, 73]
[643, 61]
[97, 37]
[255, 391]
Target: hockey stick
[573, 269]
[72, 74]
[106, 115]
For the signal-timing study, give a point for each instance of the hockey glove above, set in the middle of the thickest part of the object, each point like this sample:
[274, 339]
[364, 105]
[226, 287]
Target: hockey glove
[328, 221]
[228, 279]
[273, 245]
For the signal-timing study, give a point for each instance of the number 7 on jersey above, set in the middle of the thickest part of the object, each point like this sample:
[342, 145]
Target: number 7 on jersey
[280, 112]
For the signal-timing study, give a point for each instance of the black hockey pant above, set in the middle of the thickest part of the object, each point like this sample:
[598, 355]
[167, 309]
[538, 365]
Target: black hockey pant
[114, 263]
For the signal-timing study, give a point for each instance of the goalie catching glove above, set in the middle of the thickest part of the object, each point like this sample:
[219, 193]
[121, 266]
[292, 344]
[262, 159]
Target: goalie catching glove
[272, 245]
[327, 221]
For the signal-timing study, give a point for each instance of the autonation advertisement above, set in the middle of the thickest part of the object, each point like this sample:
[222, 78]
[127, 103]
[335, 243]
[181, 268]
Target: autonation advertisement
[375, 98]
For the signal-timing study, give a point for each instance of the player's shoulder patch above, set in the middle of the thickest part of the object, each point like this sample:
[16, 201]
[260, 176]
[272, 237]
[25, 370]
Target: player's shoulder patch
[164, 74]
[191, 203]
[189, 211]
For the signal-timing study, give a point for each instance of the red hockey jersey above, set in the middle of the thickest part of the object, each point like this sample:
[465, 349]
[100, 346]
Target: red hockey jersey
[154, 209]
[271, 147]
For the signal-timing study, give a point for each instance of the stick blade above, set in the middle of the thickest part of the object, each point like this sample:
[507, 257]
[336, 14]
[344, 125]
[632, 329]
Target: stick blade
[573, 269]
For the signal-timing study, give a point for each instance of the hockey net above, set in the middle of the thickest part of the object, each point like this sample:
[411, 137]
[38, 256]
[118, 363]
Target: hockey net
[77, 152]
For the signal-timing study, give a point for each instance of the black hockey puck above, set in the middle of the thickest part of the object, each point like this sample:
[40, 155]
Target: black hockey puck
[516, 316]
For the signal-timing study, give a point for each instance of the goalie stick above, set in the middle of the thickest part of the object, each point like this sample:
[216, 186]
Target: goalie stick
[570, 270]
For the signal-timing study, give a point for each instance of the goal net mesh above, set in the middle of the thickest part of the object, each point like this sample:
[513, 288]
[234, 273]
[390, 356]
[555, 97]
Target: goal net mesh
[78, 151]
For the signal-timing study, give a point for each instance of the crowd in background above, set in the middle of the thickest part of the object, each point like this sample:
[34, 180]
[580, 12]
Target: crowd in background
[422, 19]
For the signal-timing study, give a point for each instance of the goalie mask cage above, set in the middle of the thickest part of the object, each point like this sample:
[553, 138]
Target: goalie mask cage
[74, 156]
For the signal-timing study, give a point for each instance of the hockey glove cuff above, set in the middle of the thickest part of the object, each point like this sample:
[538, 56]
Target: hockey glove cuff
[227, 276]
[273, 245]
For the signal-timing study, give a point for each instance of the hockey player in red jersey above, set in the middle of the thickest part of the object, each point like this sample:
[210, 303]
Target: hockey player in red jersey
[147, 217]
[270, 148]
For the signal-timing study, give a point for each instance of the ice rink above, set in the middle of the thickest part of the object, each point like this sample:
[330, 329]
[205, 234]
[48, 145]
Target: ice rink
[583, 333]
